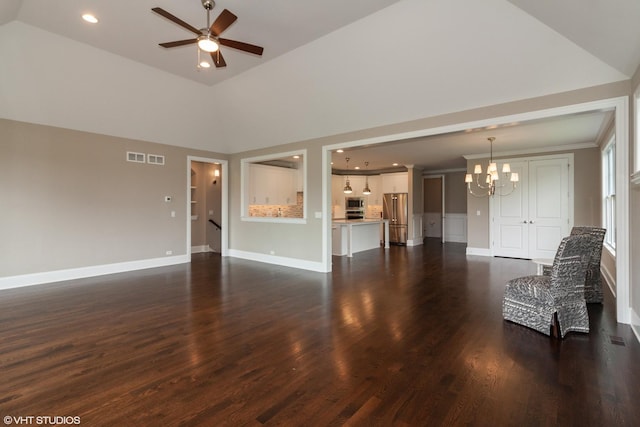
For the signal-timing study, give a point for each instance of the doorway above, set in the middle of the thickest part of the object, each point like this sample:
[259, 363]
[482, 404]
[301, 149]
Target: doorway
[434, 204]
[206, 206]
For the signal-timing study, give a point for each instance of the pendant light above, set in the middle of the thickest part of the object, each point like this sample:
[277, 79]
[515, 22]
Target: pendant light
[347, 188]
[366, 190]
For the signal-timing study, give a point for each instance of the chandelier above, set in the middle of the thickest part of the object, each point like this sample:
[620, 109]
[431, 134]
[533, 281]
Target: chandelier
[490, 184]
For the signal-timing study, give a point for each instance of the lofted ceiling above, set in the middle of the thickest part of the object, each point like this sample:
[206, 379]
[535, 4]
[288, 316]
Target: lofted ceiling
[328, 68]
[130, 29]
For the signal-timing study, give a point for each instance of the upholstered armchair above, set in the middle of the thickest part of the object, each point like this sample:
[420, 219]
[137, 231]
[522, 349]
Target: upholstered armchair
[593, 278]
[555, 302]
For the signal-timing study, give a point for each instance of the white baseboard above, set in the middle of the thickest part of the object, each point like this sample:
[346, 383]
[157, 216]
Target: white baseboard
[278, 260]
[479, 251]
[635, 324]
[91, 271]
[200, 249]
[608, 277]
[414, 242]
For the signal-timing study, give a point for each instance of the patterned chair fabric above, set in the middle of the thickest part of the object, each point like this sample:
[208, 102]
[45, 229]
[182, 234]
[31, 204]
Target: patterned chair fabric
[593, 278]
[533, 301]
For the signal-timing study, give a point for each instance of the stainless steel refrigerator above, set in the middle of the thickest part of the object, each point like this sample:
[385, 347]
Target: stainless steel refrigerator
[394, 208]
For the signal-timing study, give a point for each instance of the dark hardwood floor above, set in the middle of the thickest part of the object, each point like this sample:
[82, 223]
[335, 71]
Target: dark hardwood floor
[404, 336]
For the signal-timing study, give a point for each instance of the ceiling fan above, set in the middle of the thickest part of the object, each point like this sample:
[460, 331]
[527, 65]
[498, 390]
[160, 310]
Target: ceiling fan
[209, 39]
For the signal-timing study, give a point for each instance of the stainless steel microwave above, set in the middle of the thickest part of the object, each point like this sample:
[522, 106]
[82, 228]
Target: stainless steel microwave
[353, 203]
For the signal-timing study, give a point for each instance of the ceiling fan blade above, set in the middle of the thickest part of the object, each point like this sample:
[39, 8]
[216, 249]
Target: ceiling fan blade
[178, 43]
[222, 22]
[241, 46]
[218, 59]
[178, 21]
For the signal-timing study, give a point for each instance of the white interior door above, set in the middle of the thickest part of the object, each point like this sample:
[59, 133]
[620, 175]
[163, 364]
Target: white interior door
[511, 216]
[531, 221]
[548, 206]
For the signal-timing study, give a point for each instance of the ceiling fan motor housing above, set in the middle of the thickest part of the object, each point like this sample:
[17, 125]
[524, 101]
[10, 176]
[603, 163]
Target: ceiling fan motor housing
[208, 4]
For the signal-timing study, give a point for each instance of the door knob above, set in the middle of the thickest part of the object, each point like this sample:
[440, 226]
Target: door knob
[530, 222]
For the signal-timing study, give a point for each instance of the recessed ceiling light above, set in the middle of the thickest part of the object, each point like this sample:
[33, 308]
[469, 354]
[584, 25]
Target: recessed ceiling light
[296, 157]
[340, 151]
[395, 164]
[204, 64]
[357, 167]
[90, 18]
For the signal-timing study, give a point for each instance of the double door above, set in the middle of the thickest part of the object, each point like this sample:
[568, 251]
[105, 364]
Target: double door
[531, 221]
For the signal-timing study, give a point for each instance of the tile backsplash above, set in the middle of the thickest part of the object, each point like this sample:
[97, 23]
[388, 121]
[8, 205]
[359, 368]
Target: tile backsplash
[285, 211]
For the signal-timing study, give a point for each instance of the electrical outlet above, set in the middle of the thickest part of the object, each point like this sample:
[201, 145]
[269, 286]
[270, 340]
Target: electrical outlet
[168, 253]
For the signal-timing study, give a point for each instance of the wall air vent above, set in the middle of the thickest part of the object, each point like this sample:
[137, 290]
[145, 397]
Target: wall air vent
[135, 157]
[155, 159]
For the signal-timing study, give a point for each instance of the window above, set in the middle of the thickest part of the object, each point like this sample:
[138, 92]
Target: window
[609, 193]
[274, 188]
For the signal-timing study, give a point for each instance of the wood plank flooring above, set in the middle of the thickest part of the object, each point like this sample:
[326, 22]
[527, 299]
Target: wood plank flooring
[404, 336]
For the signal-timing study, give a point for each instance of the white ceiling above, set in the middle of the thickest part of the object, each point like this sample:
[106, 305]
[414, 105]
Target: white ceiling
[130, 29]
[328, 68]
[446, 151]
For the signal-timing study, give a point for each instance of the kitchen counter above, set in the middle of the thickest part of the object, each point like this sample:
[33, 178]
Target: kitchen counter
[350, 236]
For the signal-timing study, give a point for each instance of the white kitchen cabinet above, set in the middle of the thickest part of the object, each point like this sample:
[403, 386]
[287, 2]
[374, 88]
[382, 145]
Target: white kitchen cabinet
[397, 182]
[270, 185]
[337, 184]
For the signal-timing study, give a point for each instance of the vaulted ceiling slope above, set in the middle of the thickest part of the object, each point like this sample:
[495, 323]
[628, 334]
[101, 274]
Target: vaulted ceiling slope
[409, 60]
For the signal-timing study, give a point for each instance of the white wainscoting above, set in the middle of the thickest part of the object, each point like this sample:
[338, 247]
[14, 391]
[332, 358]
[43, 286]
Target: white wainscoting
[417, 232]
[455, 228]
[433, 224]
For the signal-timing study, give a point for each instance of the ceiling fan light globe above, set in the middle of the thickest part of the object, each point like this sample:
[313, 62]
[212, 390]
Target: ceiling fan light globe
[207, 44]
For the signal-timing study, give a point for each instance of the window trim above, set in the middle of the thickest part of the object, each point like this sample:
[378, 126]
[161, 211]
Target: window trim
[244, 188]
[635, 176]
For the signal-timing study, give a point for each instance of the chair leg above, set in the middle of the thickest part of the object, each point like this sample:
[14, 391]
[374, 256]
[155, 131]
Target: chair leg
[554, 328]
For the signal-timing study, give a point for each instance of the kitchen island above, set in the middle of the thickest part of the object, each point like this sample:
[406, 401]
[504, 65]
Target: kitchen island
[349, 236]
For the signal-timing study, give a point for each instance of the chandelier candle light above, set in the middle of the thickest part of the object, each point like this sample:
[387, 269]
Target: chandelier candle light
[492, 177]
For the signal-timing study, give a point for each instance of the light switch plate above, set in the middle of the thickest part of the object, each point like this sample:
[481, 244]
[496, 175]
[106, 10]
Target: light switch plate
[318, 214]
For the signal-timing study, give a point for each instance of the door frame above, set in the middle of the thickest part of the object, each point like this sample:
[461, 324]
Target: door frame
[224, 208]
[570, 160]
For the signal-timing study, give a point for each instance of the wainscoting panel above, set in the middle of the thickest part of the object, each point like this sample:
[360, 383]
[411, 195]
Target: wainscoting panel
[432, 224]
[455, 228]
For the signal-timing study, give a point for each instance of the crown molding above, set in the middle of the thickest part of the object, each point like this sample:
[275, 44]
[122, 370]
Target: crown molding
[568, 147]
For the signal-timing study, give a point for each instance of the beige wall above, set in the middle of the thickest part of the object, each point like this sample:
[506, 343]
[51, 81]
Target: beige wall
[455, 191]
[70, 199]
